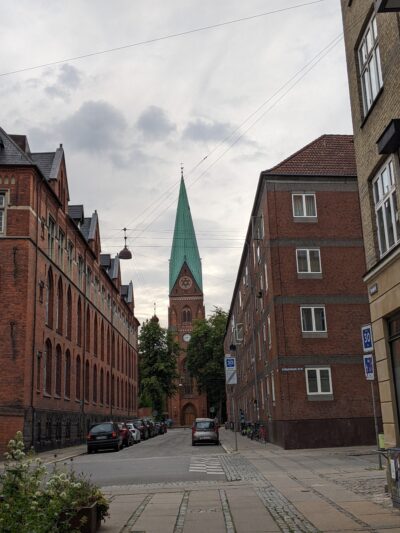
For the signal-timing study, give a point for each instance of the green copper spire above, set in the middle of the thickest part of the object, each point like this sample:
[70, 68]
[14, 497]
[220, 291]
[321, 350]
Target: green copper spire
[184, 245]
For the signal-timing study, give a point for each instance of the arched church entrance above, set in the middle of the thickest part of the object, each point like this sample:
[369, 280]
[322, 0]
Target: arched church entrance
[188, 415]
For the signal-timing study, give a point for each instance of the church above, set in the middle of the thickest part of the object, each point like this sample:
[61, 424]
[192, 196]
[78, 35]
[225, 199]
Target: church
[186, 304]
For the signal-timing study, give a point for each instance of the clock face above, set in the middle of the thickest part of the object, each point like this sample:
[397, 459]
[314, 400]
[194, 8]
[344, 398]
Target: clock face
[185, 282]
[187, 337]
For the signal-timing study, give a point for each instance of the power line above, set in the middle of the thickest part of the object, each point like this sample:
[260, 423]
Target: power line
[158, 39]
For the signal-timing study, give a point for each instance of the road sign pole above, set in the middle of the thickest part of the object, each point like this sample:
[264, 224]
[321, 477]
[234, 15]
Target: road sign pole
[376, 424]
[234, 417]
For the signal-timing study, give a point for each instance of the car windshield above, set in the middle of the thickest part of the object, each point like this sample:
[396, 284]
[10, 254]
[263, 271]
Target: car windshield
[205, 425]
[130, 426]
[100, 428]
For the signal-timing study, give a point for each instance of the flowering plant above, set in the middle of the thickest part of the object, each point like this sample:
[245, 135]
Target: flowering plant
[35, 502]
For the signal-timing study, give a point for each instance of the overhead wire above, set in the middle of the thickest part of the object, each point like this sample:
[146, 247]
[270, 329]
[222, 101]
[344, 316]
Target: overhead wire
[158, 39]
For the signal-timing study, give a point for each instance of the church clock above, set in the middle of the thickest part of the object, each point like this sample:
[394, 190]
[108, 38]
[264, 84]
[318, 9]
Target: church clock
[185, 282]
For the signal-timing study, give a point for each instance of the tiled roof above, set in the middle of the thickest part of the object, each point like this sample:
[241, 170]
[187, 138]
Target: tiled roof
[44, 162]
[329, 155]
[11, 153]
[76, 212]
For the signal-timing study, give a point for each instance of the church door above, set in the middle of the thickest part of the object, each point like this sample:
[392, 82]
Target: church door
[188, 415]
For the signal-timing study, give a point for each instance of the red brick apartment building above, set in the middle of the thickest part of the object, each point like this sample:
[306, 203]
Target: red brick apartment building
[299, 303]
[68, 334]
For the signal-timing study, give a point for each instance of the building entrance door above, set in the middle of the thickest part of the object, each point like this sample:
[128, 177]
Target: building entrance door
[188, 415]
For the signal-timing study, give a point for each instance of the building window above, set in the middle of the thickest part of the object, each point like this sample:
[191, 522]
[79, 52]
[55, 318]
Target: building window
[51, 231]
[87, 329]
[304, 205]
[58, 370]
[387, 216]
[47, 368]
[95, 384]
[61, 244]
[69, 313]
[273, 387]
[49, 299]
[67, 374]
[70, 254]
[80, 272]
[319, 380]
[88, 281]
[370, 65]
[308, 261]
[87, 381]
[38, 371]
[78, 378]
[2, 211]
[102, 386]
[394, 343]
[60, 306]
[186, 315]
[269, 332]
[79, 324]
[313, 319]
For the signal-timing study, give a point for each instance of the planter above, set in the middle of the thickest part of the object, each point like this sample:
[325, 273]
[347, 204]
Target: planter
[91, 520]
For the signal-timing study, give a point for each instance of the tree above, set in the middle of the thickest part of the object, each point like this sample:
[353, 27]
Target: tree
[157, 364]
[205, 357]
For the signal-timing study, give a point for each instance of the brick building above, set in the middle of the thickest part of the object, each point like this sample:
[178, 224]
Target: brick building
[186, 304]
[68, 334]
[299, 302]
[372, 39]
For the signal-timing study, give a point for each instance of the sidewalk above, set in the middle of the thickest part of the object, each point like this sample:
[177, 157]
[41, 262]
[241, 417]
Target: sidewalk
[268, 490]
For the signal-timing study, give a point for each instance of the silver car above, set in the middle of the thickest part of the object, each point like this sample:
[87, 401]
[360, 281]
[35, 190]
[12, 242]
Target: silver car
[204, 430]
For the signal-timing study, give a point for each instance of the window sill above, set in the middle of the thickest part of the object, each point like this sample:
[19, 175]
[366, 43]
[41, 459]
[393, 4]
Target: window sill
[67, 398]
[320, 397]
[309, 275]
[314, 334]
[46, 395]
[306, 220]
[366, 117]
[57, 397]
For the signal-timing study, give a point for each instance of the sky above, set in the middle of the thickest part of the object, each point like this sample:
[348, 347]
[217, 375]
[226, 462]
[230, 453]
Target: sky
[226, 102]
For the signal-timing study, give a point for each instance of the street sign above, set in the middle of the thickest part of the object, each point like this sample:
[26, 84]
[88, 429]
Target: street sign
[230, 370]
[367, 339]
[369, 367]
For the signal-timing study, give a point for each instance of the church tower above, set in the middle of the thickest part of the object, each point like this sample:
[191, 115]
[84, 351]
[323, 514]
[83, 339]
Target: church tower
[185, 305]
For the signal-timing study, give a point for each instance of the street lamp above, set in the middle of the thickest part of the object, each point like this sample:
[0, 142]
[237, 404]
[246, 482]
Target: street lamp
[125, 253]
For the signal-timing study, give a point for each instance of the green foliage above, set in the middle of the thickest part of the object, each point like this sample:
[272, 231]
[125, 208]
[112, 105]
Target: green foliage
[35, 502]
[205, 357]
[157, 364]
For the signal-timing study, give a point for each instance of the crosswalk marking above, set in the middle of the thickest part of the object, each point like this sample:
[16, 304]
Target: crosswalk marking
[206, 465]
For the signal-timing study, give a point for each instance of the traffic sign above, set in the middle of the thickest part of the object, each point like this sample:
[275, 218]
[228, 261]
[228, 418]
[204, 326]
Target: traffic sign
[369, 367]
[230, 370]
[367, 339]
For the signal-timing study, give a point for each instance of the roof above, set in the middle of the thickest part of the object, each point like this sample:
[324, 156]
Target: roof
[329, 155]
[184, 244]
[44, 162]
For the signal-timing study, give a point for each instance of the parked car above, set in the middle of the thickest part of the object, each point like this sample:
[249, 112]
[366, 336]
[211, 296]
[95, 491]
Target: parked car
[105, 435]
[204, 430]
[142, 427]
[150, 426]
[135, 432]
[127, 438]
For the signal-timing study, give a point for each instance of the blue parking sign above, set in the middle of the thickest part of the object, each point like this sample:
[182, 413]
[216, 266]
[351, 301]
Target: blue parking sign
[369, 367]
[230, 362]
[367, 339]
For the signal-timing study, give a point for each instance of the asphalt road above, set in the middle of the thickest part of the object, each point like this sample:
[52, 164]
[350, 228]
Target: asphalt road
[166, 458]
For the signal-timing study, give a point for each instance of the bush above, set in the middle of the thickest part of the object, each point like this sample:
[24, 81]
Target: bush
[35, 502]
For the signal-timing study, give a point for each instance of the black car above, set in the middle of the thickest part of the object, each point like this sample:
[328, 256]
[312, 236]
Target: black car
[105, 435]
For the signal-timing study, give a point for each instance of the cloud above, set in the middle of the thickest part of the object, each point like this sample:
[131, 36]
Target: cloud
[94, 127]
[154, 124]
[207, 130]
[68, 79]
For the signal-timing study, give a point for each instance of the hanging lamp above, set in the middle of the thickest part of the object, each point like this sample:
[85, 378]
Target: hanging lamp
[125, 253]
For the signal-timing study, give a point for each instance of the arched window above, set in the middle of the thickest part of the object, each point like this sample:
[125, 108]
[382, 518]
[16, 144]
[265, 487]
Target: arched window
[47, 367]
[108, 389]
[101, 386]
[95, 335]
[118, 354]
[102, 341]
[87, 381]
[87, 329]
[186, 315]
[78, 378]
[67, 374]
[187, 379]
[113, 390]
[79, 323]
[108, 345]
[94, 384]
[69, 313]
[58, 369]
[49, 299]
[118, 391]
[113, 351]
[60, 306]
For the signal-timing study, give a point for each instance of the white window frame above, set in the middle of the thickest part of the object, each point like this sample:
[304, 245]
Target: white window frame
[384, 192]
[266, 275]
[51, 235]
[303, 196]
[369, 63]
[308, 250]
[269, 331]
[3, 207]
[313, 308]
[318, 369]
[61, 244]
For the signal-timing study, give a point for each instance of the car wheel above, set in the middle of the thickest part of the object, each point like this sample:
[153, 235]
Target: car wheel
[89, 450]
[193, 443]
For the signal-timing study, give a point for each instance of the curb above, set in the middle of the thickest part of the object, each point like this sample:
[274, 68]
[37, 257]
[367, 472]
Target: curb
[67, 458]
